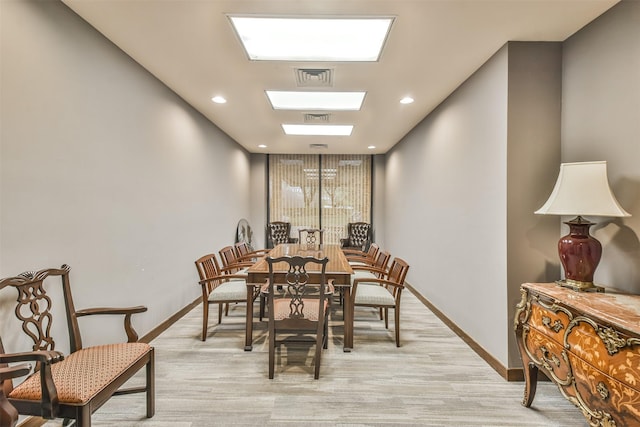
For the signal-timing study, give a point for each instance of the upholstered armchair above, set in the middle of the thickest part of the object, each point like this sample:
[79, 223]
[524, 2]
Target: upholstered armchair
[358, 236]
[280, 232]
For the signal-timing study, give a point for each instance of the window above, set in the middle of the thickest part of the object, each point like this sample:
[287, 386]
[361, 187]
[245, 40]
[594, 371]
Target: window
[320, 191]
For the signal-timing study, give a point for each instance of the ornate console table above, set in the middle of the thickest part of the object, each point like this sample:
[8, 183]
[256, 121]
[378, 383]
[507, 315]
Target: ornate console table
[586, 343]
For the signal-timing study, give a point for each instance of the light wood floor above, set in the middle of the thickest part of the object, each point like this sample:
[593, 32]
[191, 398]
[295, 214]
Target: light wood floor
[434, 379]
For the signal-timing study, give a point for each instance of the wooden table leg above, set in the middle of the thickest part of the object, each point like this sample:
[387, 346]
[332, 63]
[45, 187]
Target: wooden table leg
[248, 331]
[348, 320]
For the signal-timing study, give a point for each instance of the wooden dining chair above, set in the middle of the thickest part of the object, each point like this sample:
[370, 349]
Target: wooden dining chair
[377, 269]
[218, 288]
[355, 256]
[75, 385]
[310, 236]
[244, 253]
[300, 311]
[383, 292]
[231, 264]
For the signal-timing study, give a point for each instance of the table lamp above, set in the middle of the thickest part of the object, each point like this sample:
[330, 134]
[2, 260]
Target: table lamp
[581, 189]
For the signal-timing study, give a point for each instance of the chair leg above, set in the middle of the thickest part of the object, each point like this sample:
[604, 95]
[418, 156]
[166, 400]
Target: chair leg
[263, 302]
[386, 318]
[319, 347]
[84, 417]
[151, 385]
[205, 319]
[8, 414]
[272, 354]
[381, 314]
[397, 320]
[226, 309]
[325, 337]
[220, 309]
[321, 342]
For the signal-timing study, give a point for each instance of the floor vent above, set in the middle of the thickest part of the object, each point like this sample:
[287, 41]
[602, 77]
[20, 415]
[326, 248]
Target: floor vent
[314, 77]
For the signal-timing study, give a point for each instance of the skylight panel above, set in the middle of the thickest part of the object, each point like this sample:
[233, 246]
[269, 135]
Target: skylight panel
[297, 100]
[318, 130]
[312, 39]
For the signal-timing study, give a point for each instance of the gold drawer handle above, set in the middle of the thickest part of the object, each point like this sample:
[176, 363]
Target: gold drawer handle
[603, 390]
[556, 327]
[548, 357]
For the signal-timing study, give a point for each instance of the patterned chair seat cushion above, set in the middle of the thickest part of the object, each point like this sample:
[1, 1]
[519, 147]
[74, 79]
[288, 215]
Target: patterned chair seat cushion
[83, 374]
[373, 294]
[233, 290]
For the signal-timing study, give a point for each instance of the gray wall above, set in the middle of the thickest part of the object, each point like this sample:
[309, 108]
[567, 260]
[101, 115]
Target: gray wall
[462, 187]
[601, 121]
[104, 168]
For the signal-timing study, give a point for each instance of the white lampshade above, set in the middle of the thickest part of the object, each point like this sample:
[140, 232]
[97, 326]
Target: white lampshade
[582, 189]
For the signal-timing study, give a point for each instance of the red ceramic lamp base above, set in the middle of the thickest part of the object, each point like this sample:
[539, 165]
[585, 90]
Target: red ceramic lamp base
[580, 254]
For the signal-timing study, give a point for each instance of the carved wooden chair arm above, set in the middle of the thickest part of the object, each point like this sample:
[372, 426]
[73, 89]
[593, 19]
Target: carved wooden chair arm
[42, 356]
[132, 335]
[9, 372]
[111, 310]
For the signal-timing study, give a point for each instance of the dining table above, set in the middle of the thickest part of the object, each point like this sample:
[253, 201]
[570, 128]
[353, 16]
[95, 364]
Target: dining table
[338, 270]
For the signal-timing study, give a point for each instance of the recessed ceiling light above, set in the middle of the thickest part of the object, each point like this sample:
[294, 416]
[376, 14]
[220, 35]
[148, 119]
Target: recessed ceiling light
[219, 99]
[406, 100]
[296, 100]
[312, 39]
[371, 147]
[262, 146]
[322, 130]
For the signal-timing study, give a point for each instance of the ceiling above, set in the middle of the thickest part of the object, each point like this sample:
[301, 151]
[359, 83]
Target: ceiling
[433, 46]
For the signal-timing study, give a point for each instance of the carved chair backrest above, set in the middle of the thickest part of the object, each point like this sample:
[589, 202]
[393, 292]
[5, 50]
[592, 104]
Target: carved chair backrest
[310, 236]
[35, 306]
[297, 286]
[279, 232]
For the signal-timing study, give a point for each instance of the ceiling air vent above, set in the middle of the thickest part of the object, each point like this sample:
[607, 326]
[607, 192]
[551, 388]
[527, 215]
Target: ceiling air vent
[319, 146]
[316, 117]
[314, 77]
